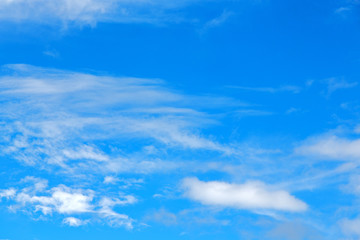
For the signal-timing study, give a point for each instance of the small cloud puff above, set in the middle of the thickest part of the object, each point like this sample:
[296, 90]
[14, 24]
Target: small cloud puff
[7, 193]
[74, 222]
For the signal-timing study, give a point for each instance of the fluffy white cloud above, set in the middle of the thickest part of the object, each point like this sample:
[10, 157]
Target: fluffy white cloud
[63, 200]
[251, 195]
[7, 193]
[331, 147]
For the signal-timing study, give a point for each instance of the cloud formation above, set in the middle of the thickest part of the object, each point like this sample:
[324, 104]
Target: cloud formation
[250, 195]
[89, 11]
[65, 201]
[62, 200]
[331, 147]
[350, 227]
[334, 84]
[294, 231]
[54, 117]
[287, 88]
[7, 193]
[73, 222]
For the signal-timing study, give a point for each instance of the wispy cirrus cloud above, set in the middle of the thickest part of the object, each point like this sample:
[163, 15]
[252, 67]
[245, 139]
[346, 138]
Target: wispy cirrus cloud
[295, 231]
[287, 88]
[84, 12]
[55, 117]
[331, 147]
[83, 124]
[334, 84]
[342, 10]
[347, 8]
[217, 21]
[350, 227]
[353, 186]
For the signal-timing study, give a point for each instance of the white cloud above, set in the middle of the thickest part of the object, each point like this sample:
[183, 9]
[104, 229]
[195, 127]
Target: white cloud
[110, 180]
[252, 112]
[67, 202]
[331, 147]
[115, 219]
[350, 226]
[295, 231]
[357, 129]
[162, 216]
[85, 152]
[334, 84]
[61, 118]
[218, 21]
[123, 183]
[7, 193]
[250, 195]
[89, 11]
[287, 88]
[342, 10]
[37, 184]
[73, 222]
[64, 201]
[120, 165]
[353, 186]
[52, 53]
[292, 110]
[108, 202]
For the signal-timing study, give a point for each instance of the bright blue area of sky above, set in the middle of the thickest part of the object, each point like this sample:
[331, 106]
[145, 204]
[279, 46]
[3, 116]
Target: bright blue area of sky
[289, 72]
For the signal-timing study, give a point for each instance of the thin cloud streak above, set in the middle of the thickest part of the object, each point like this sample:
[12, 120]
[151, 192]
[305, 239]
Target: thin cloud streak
[335, 84]
[331, 147]
[62, 116]
[292, 89]
[90, 12]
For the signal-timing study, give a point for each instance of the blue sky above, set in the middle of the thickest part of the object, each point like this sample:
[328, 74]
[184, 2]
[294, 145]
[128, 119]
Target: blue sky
[154, 119]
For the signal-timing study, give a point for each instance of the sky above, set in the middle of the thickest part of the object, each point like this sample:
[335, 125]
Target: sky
[192, 119]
